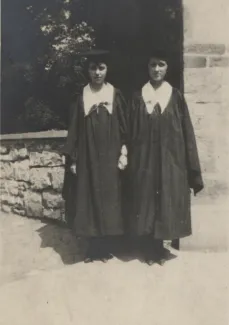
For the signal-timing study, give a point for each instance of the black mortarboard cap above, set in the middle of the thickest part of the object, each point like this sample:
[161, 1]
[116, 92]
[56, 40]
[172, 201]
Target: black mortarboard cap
[95, 55]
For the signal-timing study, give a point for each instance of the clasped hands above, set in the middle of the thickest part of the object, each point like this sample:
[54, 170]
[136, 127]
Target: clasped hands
[122, 162]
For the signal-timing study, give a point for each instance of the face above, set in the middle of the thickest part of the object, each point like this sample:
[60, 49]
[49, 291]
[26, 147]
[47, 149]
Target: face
[157, 69]
[97, 72]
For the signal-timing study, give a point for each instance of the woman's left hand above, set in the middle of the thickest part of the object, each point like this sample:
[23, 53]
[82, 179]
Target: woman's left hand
[123, 161]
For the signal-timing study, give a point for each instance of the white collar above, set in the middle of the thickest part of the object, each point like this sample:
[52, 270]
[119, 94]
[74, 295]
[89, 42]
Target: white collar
[159, 96]
[105, 95]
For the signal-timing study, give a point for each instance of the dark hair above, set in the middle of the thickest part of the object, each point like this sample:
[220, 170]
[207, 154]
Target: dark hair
[160, 54]
[96, 60]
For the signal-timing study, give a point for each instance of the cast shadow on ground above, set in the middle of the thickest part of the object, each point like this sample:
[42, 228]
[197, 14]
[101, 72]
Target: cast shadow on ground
[72, 250]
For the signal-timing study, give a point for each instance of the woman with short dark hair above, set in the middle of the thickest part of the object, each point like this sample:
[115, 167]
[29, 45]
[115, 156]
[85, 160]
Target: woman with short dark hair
[163, 162]
[96, 151]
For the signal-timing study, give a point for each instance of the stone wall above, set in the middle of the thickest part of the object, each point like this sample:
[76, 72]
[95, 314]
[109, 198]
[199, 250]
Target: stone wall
[206, 81]
[32, 174]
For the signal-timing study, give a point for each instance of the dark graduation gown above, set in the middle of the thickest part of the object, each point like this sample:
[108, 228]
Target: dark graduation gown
[163, 166]
[93, 196]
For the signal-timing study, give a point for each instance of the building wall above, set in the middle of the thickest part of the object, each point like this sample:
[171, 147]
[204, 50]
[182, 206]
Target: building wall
[206, 81]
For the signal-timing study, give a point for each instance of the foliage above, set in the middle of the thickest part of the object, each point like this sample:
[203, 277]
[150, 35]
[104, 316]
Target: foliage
[40, 40]
[39, 116]
[51, 73]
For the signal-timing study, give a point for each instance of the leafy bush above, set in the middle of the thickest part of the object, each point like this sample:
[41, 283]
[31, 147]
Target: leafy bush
[37, 116]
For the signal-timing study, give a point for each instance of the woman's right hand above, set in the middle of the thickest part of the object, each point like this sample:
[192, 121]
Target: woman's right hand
[73, 168]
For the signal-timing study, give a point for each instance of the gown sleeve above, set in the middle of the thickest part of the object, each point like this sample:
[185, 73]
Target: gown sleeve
[134, 118]
[122, 112]
[70, 148]
[192, 157]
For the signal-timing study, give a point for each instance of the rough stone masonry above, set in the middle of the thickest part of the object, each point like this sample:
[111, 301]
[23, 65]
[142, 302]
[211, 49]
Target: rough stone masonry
[32, 172]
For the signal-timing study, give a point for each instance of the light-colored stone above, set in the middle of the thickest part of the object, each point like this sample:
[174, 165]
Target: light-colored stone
[208, 85]
[14, 154]
[7, 199]
[193, 61]
[6, 170]
[206, 21]
[39, 178]
[204, 48]
[3, 191]
[12, 200]
[52, 200]
[3, 188]
[5, 158]
[52, 214]
[12, 187]
[57, 178]
[23, 153]
[22, 187]
[6, 208]
[3, 150]
[46, 158]
[33, 204]
[21, 170]
[9, 187]
[20, 212]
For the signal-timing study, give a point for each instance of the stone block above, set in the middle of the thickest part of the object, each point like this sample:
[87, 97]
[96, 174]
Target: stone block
[219, 61]
[52, 214]
[20, 212]
[33, 204]
[3, 191]
[6, 170]
[8, 199]
[23, 186]
[206, 155]
[56, 175]
[14, 154]
[21, 170]
[3, 150]
[207, 85]
[12, 187]
[39, 178]
[46, 158]
[204, 48]
[5, 157]
[52, 200]
[6, 208]
[23, 153]
[12, 200]
[191, 61]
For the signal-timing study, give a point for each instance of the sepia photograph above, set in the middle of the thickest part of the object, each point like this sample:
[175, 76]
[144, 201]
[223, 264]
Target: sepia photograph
[114, 154]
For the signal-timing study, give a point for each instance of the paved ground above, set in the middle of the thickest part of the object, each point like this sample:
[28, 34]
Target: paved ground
[42, 283]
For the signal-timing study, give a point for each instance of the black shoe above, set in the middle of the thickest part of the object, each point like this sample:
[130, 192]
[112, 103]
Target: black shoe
[150, 261]
[161, 261]
[88, 260]
[106, 258]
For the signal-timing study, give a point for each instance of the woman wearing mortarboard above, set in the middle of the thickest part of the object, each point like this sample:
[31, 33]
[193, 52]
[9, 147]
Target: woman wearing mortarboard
[96, 151]
[163, 162]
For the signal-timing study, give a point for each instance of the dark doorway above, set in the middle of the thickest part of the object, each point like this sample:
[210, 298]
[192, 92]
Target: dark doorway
[130, 28]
